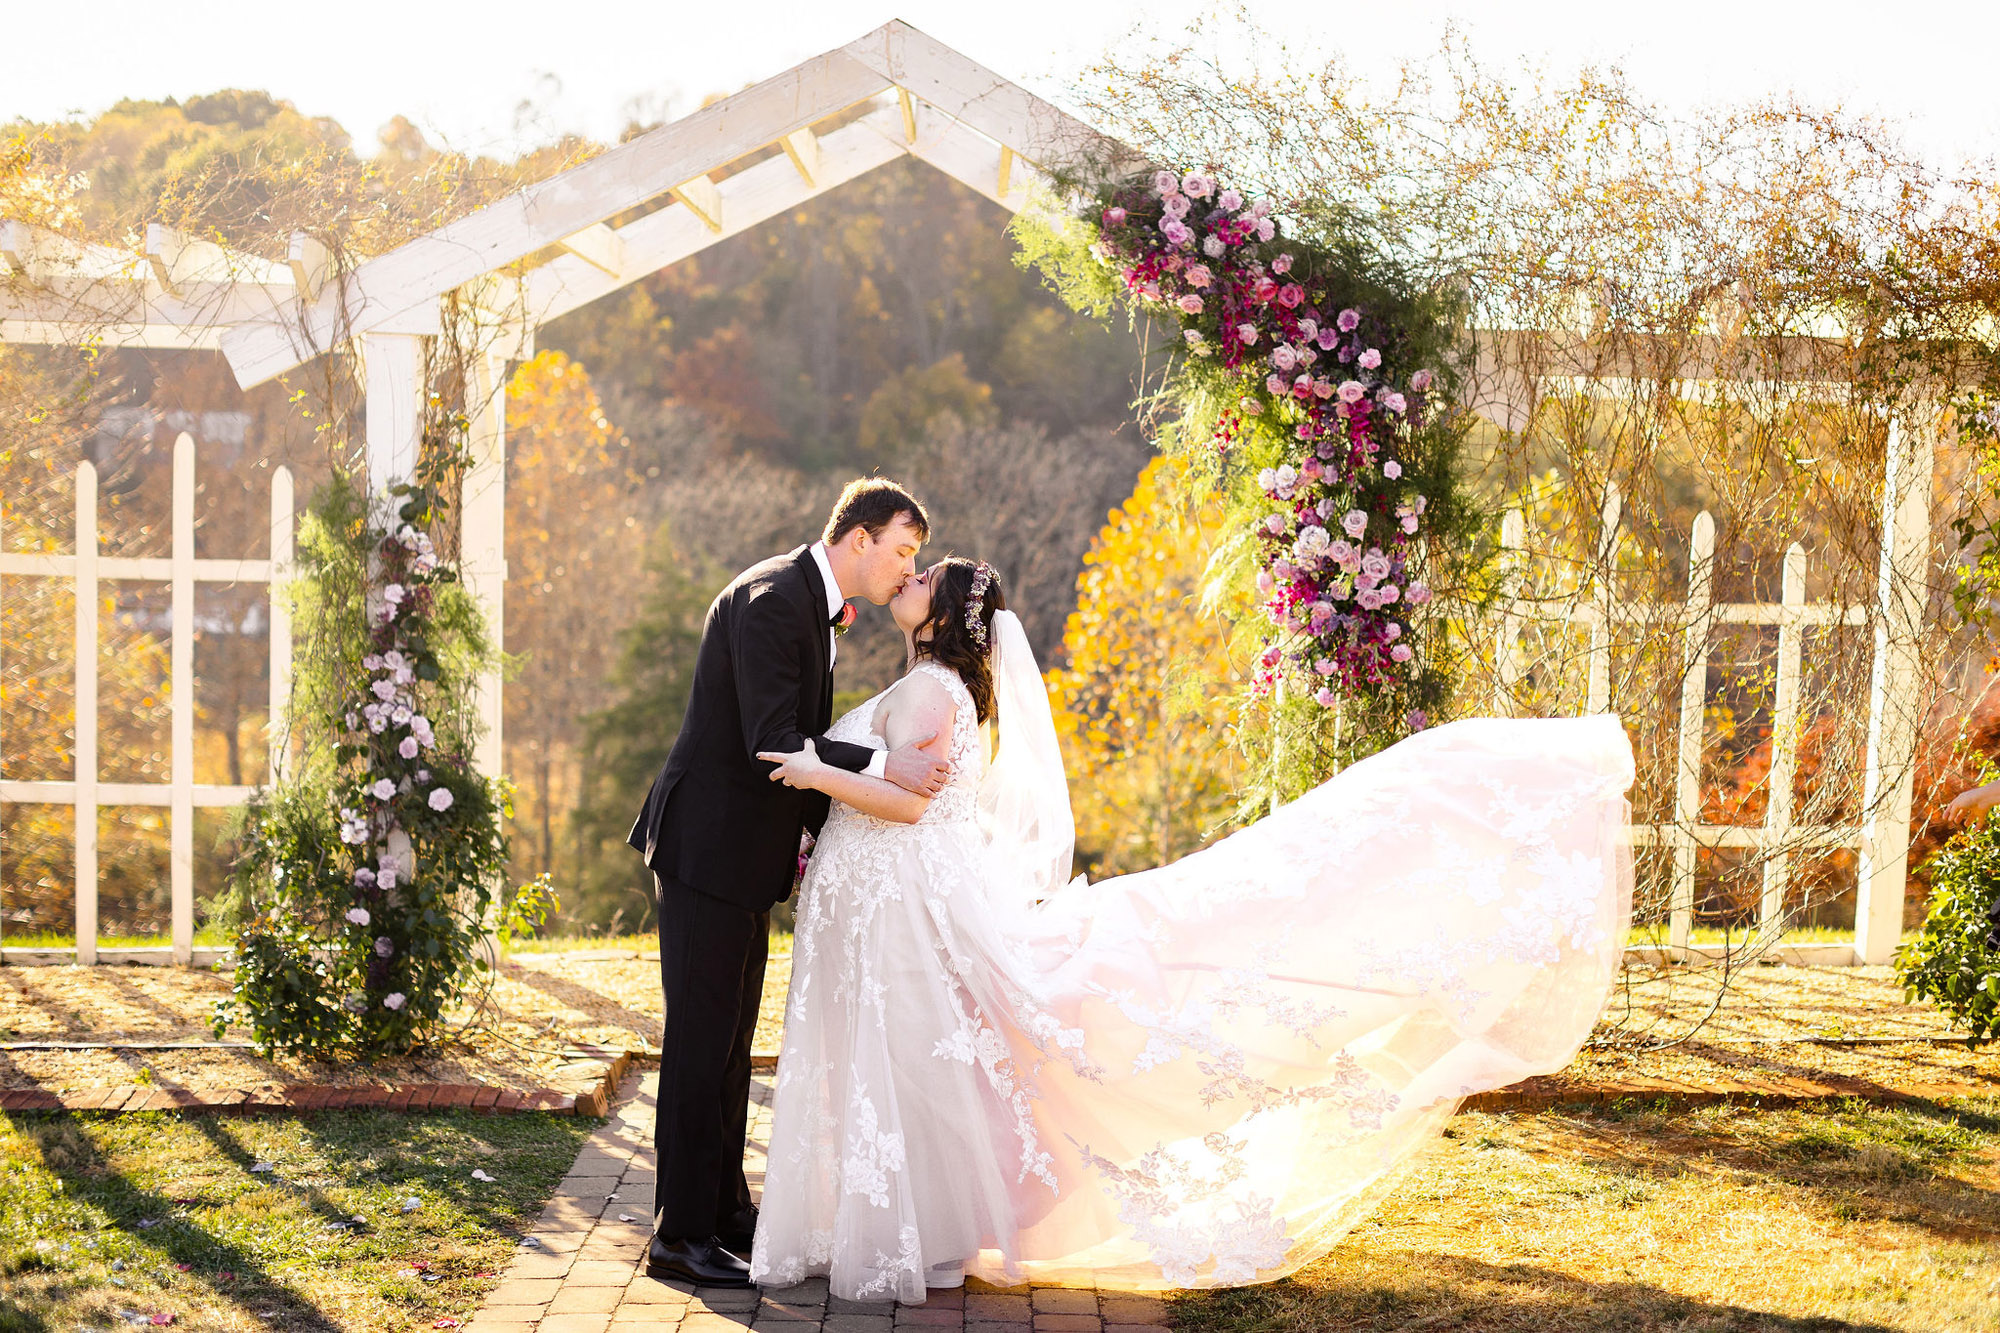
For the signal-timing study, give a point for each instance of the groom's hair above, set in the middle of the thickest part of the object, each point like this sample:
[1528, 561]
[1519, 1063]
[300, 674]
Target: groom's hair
[873, 503]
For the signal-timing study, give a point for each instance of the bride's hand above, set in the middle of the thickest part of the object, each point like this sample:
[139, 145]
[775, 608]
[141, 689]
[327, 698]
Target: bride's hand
[794, 770]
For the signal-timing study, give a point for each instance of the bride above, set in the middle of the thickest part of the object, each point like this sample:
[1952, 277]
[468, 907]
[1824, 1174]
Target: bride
[1199, 1075]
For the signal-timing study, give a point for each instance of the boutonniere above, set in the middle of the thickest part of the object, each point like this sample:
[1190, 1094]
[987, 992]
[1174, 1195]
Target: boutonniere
[843, 620]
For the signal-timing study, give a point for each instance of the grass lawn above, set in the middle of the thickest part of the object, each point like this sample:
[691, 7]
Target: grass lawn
[103, 1218]
[1626, 1220]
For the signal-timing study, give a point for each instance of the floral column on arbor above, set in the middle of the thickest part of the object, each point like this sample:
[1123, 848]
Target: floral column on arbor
[1314, 376]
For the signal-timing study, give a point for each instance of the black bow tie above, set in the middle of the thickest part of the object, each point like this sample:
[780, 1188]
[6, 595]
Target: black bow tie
[833, 621]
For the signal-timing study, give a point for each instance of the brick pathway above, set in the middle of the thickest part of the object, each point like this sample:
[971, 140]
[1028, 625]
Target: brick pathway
[578, 1270]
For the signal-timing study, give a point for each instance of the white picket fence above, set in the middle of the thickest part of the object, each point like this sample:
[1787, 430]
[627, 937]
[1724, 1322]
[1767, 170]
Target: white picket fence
[1883, 839]
[88, 569]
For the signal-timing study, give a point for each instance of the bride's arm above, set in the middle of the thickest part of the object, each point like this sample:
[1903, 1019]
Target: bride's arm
[916, 708]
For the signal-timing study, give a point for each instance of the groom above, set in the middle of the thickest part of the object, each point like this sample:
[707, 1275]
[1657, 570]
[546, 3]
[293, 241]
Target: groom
[722, 841]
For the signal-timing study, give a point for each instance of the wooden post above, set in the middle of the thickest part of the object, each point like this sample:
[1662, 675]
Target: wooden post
[1896, 696]
[394, 365]
[1507, 648]
[1600, 625]
[1693, 720]
[483, 538]
[276, 726]
[86, 712]
[1784, 748]
[180, 706]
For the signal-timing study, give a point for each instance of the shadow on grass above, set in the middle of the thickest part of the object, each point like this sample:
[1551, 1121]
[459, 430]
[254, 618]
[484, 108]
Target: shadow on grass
[582, 998]
[1859, 1161]
[1392, 1292]
[152, 1222]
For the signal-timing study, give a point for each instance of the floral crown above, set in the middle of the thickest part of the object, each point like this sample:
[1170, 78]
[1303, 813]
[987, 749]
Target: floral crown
[982, 579]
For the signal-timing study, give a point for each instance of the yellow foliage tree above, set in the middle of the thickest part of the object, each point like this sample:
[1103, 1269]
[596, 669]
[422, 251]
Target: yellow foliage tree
[1142, 701]
[575, 548]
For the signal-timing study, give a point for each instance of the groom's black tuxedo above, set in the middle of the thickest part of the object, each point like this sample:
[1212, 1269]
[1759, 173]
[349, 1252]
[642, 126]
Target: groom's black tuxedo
[722, 840]
[714, 821]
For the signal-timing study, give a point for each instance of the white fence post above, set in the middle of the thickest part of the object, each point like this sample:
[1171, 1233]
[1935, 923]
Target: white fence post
[181, 796]
[86, 713]
[1896, 698]
[1600, 623]
[180, 702]
[1784, 747]
[276, 730]
[1693, 721]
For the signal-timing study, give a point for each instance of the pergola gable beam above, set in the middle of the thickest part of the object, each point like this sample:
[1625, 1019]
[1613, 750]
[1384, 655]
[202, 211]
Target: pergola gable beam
[543, 214]
[599, 246]
[751, 196]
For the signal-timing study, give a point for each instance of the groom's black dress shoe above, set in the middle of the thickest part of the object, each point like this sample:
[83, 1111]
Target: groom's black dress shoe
[738, 1232]
[703, 1262]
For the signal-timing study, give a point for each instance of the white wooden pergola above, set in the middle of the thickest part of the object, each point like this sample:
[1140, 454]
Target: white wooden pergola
[704, 178]
[552, 247]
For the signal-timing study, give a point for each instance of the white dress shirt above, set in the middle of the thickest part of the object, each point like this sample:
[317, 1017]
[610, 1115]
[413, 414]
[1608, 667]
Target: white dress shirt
[880, 763]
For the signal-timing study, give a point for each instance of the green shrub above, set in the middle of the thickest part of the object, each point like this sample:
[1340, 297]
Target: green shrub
[372, 874]
[1949, 962]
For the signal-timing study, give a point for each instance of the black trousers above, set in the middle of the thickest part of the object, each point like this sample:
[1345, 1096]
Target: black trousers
[712, 974]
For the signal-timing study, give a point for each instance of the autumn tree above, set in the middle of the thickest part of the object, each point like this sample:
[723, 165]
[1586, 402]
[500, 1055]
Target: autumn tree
[1144, 700]
[574, 567]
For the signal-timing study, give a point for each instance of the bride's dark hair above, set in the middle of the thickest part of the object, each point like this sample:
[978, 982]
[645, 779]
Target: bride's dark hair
[944, 636]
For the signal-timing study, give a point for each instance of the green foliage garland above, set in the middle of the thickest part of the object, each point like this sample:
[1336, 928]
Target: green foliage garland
[371, 876]
[1313, 384]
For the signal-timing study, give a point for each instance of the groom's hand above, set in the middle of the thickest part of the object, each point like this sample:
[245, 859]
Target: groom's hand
[914, 769]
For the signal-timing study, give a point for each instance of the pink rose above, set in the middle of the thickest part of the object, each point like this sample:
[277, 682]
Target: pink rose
[440, 798]
[1165, 182]
[1275, 385]
[1395, 402]
[1197, 186]
[1283, 358]
[1348, 319]
[1392, 469]
[1302, 387]
[1290, 295]
[1326, 698]
[1352, 392]
[1229, 200]
[1247, 333]
[1264, 290]
[1419, 594]
[1115, 216]
[1265, 582]
[1322, 389]
[1176, 205]
[1420, 381]
[1175, 231]
[1369, 359]
[1401, 652]
[408, 749]
[1354, 522]
[1281, 265]
[1265, 229]
[1213, 247]
[393, 1000]
[1199, 276]
[1189, 304]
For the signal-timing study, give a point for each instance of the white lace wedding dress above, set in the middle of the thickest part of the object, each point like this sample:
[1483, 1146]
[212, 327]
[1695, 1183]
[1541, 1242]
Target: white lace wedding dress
[1199, 1075]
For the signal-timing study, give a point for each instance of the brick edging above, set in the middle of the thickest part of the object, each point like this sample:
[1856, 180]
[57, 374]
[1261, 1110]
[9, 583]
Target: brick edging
[595, 1100]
